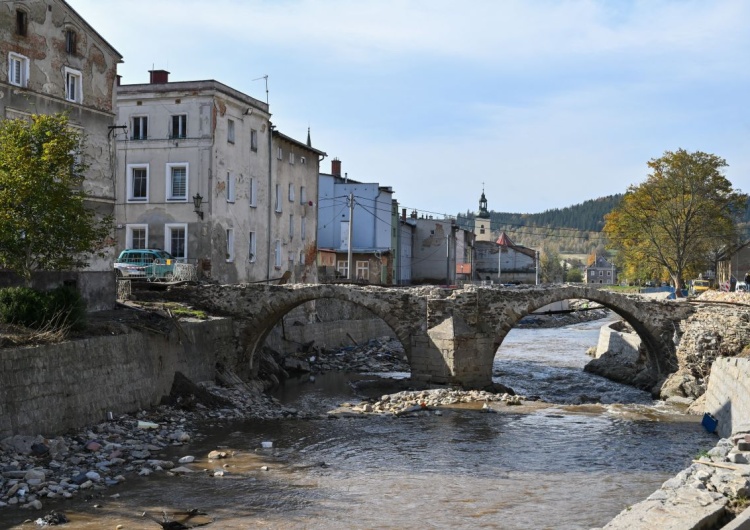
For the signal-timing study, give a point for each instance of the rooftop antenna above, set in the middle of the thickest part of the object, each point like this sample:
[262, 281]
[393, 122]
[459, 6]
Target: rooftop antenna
[266, 78]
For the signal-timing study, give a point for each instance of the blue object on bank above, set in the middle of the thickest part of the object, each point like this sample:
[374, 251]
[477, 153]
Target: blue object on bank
[709, 422]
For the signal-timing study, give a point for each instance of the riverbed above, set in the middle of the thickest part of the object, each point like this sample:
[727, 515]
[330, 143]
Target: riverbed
[573, 465]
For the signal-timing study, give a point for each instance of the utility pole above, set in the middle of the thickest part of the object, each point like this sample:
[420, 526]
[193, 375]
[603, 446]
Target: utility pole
[537, 267]
[448, 258]
[499, 264]
[351, 232]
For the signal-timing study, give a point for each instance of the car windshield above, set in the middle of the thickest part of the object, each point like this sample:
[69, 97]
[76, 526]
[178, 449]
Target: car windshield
[164, 255]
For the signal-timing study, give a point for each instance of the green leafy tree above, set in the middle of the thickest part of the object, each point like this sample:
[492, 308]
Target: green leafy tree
[673, 220]
[574, 275]
[44, 224]
[550, 268]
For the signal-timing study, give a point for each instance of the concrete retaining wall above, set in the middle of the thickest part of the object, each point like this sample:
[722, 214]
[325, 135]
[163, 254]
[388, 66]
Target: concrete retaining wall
[622, 344]
[728, 395]
[53, 388]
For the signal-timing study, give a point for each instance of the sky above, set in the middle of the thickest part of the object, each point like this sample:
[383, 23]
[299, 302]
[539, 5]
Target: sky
[543, 103]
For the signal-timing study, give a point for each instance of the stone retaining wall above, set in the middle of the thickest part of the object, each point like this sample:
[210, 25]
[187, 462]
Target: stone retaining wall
[728, 395]
[52, 388]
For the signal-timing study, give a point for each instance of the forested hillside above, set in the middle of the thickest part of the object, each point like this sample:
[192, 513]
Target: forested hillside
[571, 230]
[575, 229]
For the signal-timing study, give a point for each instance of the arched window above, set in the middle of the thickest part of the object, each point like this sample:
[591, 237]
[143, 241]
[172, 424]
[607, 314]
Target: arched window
[70, 41]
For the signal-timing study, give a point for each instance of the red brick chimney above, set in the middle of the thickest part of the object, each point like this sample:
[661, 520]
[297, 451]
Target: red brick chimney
[336, 167]
[159, 77]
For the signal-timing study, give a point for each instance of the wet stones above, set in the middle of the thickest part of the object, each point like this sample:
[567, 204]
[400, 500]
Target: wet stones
[424, 400]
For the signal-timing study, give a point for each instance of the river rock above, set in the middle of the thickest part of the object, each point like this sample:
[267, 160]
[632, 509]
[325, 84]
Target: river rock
[186, 459]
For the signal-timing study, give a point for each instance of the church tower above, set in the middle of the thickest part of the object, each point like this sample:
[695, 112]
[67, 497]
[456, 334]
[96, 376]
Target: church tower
[482, 230]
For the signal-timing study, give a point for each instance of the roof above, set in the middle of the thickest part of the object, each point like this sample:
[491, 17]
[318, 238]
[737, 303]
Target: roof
[90, 27]
[303, 145]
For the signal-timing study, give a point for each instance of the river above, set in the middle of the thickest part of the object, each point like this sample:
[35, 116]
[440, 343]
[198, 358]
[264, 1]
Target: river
[573, 465]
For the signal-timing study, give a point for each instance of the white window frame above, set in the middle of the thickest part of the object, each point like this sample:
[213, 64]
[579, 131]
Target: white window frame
[302, 160]
[170, 167]
[362, 267]
[231, 187]
[278, 198]
[279, 153]
[291, 192]
[131, 197]
[291, 158]
[77, 95]
[291, 226]
[252, 252]
[142, 119]
[129, 229]
[23, 69]
[303, 228]
[277, 254]
[230, 245]
[230, 131]
[302, 195]
[253, 199]
[342, 267]
[168, 239]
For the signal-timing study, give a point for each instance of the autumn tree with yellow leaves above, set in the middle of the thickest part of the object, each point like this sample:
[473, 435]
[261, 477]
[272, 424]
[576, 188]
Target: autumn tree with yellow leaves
[673, 220]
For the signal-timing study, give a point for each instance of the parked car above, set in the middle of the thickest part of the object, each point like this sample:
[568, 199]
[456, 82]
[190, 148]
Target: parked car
[152, 264]
[699, 286]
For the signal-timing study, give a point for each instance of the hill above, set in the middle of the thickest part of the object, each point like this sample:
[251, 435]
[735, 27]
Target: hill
[571, 230]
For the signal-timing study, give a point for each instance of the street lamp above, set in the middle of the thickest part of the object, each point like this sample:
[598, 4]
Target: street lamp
[197, 200]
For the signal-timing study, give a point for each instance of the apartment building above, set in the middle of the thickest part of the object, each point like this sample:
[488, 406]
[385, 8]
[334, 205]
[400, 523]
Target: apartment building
[53, 62]
[204, 176]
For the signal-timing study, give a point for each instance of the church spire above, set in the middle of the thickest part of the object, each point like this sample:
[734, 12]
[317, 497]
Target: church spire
[483, 212]
[309, 143]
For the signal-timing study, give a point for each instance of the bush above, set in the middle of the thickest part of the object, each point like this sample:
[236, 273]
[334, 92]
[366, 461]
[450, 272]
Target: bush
[60, 307]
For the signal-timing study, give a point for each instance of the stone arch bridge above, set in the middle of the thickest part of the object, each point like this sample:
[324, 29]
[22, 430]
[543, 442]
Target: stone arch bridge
[449, 336]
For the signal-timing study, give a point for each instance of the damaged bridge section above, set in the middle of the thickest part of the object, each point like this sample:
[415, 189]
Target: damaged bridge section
[450, 336]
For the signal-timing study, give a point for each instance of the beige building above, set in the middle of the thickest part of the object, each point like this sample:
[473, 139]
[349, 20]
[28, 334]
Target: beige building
[53, 61]
[204, 176]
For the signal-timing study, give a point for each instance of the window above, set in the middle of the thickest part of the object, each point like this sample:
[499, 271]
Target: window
[175, 240]
[342, 267]
[291, 192]
[231, 185]
[136, 236]
[609, 273]
[139, 128]
[302, 228]
[177, 182]
[251, 247]
[363, 270]
[302, 195]
[253, 139]
[302, 160]
[593, 273]
[230, 244]
[179, 126]
[230, 131]
[73, 85]
[291, 158]
[137, 183]
[277, 254]
[278, 197]
[301, 257]
[291, 226]
[18, 70]
[70, 41]
[22, 22]
[279, 154]
[253, 198]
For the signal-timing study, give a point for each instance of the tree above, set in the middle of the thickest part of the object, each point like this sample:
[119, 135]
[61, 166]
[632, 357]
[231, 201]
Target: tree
[550, 268]
[44, 224]
[675, 218]
[574, 275]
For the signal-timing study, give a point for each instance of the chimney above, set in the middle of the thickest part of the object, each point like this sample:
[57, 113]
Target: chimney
[159, 77]
[119, 79]
[403, 214]
[336, 167]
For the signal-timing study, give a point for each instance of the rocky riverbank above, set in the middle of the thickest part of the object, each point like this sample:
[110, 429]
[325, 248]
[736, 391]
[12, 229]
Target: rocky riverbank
[34, 469]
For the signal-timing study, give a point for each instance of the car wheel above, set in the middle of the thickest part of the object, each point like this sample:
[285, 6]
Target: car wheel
[168, 276]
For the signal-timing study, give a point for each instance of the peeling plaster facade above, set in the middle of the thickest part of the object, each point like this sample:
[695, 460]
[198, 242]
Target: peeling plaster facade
[184, 139]
[52, 61]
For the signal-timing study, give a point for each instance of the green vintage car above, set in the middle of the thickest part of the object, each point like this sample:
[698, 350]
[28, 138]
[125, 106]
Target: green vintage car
[148, 264]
